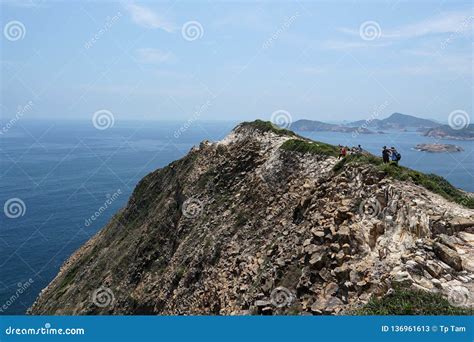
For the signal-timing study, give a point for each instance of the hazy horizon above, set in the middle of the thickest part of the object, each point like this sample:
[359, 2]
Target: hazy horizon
[170, 119]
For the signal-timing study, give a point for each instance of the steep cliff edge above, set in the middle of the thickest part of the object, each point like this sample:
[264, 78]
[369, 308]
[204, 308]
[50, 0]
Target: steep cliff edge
[267, 222]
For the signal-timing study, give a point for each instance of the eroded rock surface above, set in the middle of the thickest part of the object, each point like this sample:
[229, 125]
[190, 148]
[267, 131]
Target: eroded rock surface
[243, 227]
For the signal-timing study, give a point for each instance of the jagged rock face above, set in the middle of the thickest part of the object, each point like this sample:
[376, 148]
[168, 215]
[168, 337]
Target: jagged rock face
[244, 227]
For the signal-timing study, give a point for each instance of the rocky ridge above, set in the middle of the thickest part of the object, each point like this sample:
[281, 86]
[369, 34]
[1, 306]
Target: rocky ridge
[242, 226]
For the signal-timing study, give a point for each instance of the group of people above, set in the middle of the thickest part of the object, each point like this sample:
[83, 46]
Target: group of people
[390, 155]
[344, 150]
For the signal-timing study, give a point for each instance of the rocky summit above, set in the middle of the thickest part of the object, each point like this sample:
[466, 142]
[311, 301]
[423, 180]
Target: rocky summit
[267, 222]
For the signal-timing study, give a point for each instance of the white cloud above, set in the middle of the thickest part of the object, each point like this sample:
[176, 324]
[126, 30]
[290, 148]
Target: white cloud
[349, 45]
[453, 22]
[153, 56]
[24, 3]
[147, 18]
[450, 22]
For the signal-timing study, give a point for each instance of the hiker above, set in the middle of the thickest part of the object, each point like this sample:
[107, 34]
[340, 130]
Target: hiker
[359, 148]
[394, 155]
[385, 155]
[343, 152]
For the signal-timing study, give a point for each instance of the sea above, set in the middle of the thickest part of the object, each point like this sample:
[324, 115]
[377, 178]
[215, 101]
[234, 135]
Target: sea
[61, 181]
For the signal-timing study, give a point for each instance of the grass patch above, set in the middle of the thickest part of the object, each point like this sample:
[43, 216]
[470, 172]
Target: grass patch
[432, 182]
[267, 126]
[304, 146]
[411, 302]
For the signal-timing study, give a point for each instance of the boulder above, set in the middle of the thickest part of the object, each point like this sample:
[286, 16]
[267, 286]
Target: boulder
[448, 255]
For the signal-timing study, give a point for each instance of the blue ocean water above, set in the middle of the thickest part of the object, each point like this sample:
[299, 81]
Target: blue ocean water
[64, 172]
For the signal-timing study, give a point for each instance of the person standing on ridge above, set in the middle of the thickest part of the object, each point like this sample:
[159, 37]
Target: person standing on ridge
[385, 155]
[343, 152]
[394, 155]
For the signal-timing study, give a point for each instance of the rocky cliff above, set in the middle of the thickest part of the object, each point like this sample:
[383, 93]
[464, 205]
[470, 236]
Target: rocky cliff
[257, 224]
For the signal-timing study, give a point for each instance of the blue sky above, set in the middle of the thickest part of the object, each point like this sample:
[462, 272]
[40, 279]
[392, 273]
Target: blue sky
[318, 60]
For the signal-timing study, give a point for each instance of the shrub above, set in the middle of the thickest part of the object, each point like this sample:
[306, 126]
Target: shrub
[411, 302]
[267, 126]
[313, 147]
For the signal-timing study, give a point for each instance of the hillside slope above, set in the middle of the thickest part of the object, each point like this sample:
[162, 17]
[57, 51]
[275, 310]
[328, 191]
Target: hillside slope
[248, 226]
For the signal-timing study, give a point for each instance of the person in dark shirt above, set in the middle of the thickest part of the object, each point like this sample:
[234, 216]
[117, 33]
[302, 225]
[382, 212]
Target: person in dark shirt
[385, 155]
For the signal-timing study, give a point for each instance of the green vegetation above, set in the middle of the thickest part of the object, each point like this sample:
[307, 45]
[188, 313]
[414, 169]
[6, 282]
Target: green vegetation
[267, 126]
[313, 147]
[432, 182]
[411, 302]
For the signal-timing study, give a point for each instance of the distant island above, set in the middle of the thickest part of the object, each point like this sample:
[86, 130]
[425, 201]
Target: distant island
[318, 126]
[396, 121]
[446, 132]
[438, 148]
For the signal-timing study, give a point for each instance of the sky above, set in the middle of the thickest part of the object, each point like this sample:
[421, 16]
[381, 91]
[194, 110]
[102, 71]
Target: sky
[216, 60]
